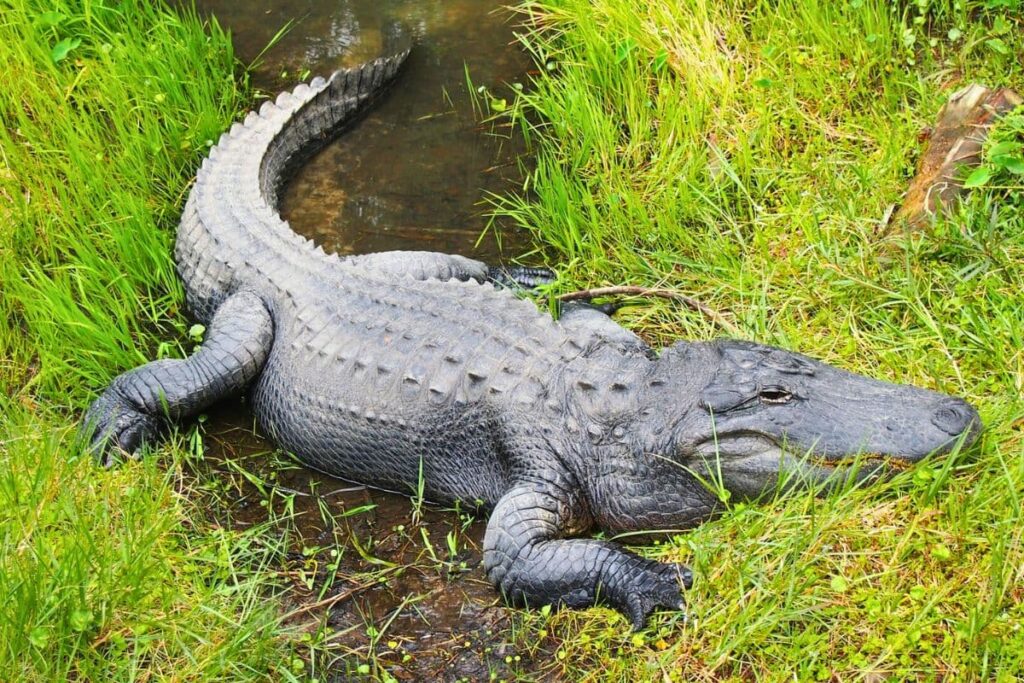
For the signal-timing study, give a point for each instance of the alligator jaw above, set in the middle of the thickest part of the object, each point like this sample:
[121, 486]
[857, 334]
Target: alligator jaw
[764, 465]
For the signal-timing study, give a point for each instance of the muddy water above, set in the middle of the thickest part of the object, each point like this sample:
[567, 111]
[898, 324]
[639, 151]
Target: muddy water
[384, 583]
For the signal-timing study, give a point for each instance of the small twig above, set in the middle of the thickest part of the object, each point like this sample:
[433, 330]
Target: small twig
[326, 602]
[294, 492]
[347, 489]
[633, 290]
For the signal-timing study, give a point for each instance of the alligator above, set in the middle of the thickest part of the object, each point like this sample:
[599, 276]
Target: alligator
[397, 368]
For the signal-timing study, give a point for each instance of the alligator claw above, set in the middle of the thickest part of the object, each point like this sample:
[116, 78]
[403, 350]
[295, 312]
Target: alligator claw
[658, 585]
[113, 428]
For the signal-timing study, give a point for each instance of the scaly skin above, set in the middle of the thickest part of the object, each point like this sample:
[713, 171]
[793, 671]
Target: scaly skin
[370, 367]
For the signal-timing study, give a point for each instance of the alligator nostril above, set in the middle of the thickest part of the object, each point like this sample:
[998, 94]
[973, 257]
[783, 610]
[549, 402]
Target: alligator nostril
[955, 417]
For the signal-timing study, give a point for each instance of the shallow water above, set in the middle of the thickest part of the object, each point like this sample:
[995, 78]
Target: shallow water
[412, 175]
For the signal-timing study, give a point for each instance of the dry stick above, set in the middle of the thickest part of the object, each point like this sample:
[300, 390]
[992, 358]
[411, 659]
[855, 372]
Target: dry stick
[326, 602]
[633, 290]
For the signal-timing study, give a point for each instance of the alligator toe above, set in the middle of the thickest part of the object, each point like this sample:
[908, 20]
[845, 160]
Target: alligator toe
[656, 585]
[114, 428]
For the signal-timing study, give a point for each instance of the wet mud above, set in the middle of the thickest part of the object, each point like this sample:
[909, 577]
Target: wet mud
[388, 586]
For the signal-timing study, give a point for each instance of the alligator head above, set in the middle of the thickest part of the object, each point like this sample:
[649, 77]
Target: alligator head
[763, 412]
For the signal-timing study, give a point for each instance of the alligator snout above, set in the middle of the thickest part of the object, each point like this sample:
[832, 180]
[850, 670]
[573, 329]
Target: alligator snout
[762, 398]
[956, 417]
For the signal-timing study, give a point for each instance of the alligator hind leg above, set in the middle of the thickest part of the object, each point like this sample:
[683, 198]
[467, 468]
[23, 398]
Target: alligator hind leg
[525, 558]
[518, 277]
[431, 265]
[138, 403]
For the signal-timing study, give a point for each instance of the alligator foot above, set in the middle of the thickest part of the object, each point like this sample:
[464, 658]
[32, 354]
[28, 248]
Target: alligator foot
[608, 309]
[137, 403]
[525, 558]
[647, 585]
[113, 427]
[520, 277]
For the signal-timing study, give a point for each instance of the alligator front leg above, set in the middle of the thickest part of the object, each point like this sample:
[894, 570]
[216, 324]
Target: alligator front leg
[138, 403]
[527, 560]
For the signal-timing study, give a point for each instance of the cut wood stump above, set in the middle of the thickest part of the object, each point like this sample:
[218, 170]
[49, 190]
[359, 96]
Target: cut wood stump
[953, 149]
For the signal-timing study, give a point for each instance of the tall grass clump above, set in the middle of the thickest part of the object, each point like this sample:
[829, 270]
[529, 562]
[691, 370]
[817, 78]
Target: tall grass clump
[751, 154]
[106, 109]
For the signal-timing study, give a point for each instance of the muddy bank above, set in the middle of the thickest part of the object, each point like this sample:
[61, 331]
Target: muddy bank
[386, 582]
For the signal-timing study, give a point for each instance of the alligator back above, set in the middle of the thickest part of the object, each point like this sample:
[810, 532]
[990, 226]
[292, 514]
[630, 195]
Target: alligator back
[381, 375]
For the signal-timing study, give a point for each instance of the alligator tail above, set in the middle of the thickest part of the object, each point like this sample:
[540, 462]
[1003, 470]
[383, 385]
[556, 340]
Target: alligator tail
[336, 103]
[231, 235]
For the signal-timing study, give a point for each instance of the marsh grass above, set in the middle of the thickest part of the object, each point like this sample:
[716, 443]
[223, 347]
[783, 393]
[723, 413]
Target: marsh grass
[106, 110]
[748, 154]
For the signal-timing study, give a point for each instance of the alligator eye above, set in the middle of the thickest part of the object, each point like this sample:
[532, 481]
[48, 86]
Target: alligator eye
[775, 395]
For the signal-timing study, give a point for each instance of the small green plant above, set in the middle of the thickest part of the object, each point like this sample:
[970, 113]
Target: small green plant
[418, 499]
[1003, 164]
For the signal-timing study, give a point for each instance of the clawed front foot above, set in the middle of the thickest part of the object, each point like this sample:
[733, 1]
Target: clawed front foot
[112, 427]
[640, 586]
[527, 561]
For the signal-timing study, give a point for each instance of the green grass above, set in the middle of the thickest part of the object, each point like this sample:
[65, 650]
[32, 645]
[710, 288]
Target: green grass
[106, 110]
[747, 154]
